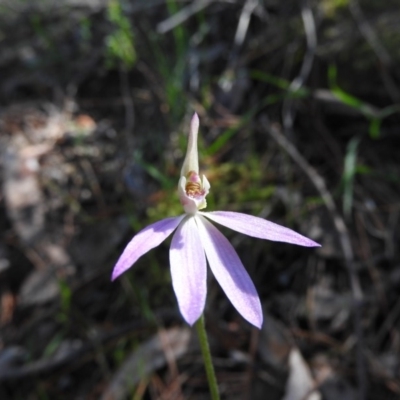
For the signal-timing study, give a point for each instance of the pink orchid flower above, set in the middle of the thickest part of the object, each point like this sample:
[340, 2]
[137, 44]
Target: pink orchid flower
[196, 239]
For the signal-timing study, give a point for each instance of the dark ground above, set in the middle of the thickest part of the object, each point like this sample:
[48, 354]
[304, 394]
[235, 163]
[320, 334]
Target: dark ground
[299, 106]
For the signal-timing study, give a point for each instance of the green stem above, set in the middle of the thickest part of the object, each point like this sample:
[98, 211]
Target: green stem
[205, 350]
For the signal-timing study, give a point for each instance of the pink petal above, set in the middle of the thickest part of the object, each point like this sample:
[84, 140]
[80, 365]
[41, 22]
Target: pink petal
[188, 270]
[145, 240]
[229, 272]
[191, 162]
[259, 228]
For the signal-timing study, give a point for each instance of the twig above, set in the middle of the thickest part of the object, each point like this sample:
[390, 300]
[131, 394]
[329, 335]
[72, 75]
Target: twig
[182, 15]
[372, 39]
[368, 33]
[344, 238]
[389, 322]
[242, 28]
[298, 82]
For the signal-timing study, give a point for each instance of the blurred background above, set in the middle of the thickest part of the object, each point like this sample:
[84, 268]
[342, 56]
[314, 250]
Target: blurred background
[299, 106]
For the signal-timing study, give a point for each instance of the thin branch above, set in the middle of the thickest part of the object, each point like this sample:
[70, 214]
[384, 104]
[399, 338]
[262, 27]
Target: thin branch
[181, 16]
[298, 82]
[242, 27]
[368, 33]
[373, 40]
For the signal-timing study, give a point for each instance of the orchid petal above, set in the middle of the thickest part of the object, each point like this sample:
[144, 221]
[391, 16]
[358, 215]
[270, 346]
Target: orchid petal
[230, 272]
[188, 270]
[191, 162]
[145, 240]
[259, 228]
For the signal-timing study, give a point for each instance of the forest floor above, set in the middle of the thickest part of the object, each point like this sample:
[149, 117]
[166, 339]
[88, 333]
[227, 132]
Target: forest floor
[299, 107]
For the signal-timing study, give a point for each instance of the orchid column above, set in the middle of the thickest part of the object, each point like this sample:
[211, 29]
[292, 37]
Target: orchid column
[196, 239]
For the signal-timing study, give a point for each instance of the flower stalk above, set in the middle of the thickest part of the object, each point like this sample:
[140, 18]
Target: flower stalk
[205, 351]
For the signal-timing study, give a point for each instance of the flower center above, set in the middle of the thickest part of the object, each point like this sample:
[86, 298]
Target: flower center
[193, 186]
